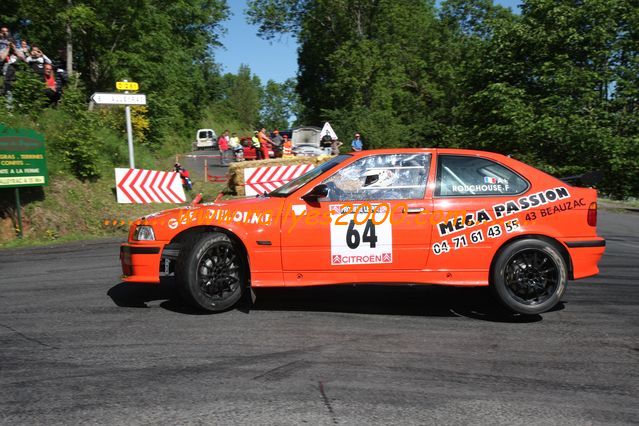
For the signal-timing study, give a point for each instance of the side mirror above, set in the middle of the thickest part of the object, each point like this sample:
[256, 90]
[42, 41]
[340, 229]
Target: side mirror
[320, 191]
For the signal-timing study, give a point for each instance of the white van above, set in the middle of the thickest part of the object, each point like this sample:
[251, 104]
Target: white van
[205, 139]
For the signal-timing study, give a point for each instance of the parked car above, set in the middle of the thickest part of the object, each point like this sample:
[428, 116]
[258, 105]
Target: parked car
[415, 216]
[307, 142]
[250, 151]
[205, 139]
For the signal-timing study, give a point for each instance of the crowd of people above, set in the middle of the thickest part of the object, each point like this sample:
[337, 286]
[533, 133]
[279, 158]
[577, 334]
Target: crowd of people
[14, 52]
[231, 148]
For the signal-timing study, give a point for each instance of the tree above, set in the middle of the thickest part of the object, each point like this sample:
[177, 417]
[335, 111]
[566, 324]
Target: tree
[242, 96]
[279, 104]
[163, 46]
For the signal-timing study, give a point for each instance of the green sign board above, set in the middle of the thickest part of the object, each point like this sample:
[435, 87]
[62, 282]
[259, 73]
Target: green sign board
[22, 158]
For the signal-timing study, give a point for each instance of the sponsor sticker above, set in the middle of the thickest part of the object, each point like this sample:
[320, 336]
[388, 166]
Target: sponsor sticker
[360, 234]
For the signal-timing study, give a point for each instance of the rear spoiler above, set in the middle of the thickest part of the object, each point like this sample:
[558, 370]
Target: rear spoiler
[586, 179]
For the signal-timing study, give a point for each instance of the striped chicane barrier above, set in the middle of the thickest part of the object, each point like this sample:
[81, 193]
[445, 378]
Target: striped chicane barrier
[139, 186]
[258, 180]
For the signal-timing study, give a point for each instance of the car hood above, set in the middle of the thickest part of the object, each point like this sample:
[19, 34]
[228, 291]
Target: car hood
[217, 211]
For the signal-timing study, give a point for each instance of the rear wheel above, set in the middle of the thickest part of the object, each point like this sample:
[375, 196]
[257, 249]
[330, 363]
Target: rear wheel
[211, 274]
[529, 276]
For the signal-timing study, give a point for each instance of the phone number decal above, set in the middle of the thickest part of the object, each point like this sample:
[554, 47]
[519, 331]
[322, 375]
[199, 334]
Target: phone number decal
[475, 237]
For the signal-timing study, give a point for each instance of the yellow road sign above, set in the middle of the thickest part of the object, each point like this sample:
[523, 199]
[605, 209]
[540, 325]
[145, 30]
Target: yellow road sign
[126, 85]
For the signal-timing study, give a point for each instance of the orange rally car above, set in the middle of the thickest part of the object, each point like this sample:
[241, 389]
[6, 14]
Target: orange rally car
[425, 216]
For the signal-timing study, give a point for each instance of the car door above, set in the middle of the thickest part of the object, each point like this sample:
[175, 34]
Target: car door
[465, 227]
[374, 218]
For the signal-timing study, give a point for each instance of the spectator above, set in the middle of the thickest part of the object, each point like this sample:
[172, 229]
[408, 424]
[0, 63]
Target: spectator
[277, 141]
[53, 82]
[255, 141]
[335, 144]
[234, 141]
[356, 143]
[24, 49]
[236, 147]
[265, 142]
[5, 38]
[223, 146]
[184, 175]
[37, 59]
[325, 142]
[287, 147]
[9, 55]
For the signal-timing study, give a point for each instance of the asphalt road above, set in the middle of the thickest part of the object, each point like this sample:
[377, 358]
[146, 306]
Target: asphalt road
[77, 346]
[195, 164]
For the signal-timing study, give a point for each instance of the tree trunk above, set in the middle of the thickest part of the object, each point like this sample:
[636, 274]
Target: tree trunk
[69, 44]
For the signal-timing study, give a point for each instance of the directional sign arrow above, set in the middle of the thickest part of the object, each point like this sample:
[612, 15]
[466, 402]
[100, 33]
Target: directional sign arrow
[258, 180]
[119, 98]
[148, 186]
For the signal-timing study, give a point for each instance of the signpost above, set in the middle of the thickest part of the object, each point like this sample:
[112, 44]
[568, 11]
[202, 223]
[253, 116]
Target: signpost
[127, 85]
[127, 99]
[22, 163]
[119, 98]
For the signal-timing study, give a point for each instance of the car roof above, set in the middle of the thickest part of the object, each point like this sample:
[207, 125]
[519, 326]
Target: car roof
[451, 151]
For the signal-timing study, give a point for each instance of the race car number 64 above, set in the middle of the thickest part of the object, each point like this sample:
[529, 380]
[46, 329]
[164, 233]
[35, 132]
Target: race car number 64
[367, 237]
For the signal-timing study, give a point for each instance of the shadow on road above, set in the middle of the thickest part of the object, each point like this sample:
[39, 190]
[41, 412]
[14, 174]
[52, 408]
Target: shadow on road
[424, 301]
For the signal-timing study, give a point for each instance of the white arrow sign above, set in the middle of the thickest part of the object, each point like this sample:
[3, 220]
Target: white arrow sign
[119, 98]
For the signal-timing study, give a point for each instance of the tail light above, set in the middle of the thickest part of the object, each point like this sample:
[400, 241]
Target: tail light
[592, 214]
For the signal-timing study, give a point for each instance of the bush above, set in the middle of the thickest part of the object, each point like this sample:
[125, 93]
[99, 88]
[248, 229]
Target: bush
[28, 92]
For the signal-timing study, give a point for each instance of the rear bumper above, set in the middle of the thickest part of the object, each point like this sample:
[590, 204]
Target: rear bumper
[585, 255]
[140, 263]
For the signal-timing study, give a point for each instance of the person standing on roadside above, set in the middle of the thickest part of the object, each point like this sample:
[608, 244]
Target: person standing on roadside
[265, 142]
[277, 143]
[335, 144]
[53, 84]
[287, 147]
[255, 141]
[223, 146]
[356, 143]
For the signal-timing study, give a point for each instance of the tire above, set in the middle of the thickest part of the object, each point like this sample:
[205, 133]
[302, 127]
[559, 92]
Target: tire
[211, 274]
[529, 276]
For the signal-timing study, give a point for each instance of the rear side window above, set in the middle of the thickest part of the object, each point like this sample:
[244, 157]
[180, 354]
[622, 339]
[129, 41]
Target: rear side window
[459, 176]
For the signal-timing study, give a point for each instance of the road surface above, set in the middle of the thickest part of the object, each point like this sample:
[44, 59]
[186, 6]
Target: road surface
[77, 346]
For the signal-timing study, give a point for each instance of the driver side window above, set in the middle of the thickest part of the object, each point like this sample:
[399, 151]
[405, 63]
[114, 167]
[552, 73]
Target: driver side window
[381, 177]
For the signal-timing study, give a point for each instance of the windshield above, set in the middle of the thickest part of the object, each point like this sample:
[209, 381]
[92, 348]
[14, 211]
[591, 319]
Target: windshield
[299, 182]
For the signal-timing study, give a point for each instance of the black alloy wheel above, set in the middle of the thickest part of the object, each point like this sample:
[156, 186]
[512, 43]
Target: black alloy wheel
[529, 276]
[218, 272]
[212, 273]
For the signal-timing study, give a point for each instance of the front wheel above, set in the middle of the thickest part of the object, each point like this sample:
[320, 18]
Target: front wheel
[211, 274]
[529, 276]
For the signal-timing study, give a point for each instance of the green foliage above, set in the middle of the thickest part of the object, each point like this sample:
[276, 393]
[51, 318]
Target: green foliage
[241, 96]
[28, 92]
[163, 46]
[556, 86]
[279, 104]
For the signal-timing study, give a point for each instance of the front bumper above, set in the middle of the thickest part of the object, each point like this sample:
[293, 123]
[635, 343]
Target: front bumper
[140, 262]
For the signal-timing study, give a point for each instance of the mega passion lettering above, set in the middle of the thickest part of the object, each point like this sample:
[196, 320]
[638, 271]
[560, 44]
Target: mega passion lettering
[524, 203]
[508, 208]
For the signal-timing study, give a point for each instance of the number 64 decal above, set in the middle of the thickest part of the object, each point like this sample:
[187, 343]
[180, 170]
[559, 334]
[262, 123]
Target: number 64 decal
[360, 235]
[368, 236]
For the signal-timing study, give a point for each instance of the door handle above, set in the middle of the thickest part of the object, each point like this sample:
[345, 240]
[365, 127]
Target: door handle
[413, 210]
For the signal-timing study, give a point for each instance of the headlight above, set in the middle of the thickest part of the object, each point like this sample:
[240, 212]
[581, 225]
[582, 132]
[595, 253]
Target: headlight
[143, 233]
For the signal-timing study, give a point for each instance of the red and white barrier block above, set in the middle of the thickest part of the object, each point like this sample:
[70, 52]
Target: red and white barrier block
[258, 180]
[139, 186]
